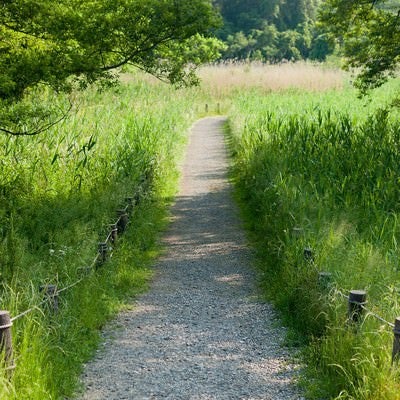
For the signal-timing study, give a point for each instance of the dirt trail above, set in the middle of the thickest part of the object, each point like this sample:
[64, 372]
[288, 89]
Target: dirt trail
[199, 332]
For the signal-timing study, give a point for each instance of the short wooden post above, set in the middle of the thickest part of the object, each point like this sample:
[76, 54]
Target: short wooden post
[50, 292]
[6, 348]
[206, 108]
[396, 341]
[84, 271]
[131, 203]
[103, 250]
[130, 200]
[137, 196]
[149, 176]
[122, 220]
[324, 280]
[308, 254]
[357, 299]
[114, 233]
[297, 232]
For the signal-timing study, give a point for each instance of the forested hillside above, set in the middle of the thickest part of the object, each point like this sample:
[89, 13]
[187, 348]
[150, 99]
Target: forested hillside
[272, 30]
[277, 30]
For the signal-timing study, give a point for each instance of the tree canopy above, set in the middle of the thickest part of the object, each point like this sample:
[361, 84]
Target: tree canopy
[64, 43]
[369, 33]
[272, 30]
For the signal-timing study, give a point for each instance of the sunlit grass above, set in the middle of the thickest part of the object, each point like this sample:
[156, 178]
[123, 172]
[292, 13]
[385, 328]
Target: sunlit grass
[222, 79]
[309, 153]
[58, 193]
[327, 164]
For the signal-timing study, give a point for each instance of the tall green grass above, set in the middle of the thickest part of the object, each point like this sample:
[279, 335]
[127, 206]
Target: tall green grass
[328, 164]
[58, 192]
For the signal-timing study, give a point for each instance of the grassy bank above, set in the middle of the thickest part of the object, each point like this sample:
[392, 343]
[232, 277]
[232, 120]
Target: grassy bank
[320, 170]
[58, 192]
[314, 165]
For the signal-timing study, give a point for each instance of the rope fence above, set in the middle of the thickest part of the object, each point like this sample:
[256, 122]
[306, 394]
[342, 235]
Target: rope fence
[357, 300]
[51, 292]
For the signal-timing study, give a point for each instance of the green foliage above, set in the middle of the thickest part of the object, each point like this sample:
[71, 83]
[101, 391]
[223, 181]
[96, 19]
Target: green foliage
[246, 15]
[369, 33]
[327, 164]
[268, 45]
[271, 31]
[58, 192]
[322, 46]
[65, 44]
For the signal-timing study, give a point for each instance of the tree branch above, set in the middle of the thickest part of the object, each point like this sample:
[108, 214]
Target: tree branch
[39, 129]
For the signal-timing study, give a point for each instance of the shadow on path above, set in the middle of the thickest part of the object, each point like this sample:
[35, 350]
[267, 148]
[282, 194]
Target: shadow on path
[199, 333]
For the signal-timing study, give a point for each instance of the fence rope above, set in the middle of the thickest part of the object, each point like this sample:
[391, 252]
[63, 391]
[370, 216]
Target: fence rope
[29, 310]
[369, 312]
[309, 257]
[376, 316]
[91, 266]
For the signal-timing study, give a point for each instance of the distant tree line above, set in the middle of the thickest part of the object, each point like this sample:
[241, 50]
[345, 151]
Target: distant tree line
[272, 30]
[365, 32]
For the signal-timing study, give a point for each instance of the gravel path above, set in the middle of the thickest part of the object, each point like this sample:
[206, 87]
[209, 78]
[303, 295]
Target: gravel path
[199, 333]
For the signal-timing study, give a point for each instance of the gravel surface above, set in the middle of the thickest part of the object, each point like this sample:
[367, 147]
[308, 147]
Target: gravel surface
[200, 332]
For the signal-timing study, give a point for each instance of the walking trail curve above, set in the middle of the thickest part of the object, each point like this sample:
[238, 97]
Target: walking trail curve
[199, 332]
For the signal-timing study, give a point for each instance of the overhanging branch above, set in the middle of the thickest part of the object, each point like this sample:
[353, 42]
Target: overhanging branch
[39, 129]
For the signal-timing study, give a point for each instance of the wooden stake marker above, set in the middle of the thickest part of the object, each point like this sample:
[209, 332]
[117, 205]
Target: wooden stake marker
[84, 271]
[50, 292]
[308, 254]
[324, 280]
[137, 197]
[6, 348]
[357, 299]
[131, 201]
[297, 232]
[396, 341]
[103, 249]
[122, 221]
[114, 233]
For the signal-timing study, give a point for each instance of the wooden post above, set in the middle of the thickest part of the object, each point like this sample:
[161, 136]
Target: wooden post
[103, 249]
[357, 299]
[206, 108]
[131, 203]
[308, 254]
[396, 341]
[114, 233]
[6, 348]
[324, 280]
[137, 197]
[122, 220]
[130, 200]
[149, 177]
[50, 292]
[84, 271]
[297, 232]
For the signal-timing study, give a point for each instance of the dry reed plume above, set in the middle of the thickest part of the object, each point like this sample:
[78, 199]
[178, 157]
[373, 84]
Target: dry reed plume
[224, 77]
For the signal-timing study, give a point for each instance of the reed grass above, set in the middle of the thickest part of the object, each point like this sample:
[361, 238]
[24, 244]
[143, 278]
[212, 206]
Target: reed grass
[222, 79]
[327, 163]
[58, 192]
[308, 153]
